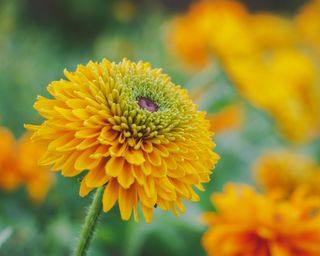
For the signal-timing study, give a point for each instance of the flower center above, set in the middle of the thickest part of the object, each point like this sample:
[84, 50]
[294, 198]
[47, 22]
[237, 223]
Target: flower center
[145, 103]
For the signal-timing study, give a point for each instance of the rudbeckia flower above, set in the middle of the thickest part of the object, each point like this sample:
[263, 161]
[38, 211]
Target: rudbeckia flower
[251, 224]
[131, 130]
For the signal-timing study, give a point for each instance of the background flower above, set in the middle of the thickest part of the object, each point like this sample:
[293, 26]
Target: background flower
[273, 228]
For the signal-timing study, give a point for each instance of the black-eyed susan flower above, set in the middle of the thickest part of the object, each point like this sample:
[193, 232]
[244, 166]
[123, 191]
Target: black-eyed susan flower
[282, 172]
[251, 224]
[132, 130]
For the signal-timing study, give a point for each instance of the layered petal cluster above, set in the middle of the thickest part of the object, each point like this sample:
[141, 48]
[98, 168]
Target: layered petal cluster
[132, 130]
[251, 224]
[19, 166]
[284, 171]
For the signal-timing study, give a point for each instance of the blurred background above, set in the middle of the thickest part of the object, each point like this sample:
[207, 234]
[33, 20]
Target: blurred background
[258, 81]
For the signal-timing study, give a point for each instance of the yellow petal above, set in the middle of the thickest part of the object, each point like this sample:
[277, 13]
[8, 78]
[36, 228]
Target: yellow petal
[110, 195]
[97, 177]
[134, 156]
[114, 166]
[127, 199]
[147, 213]
[84, 189]
[125, 177]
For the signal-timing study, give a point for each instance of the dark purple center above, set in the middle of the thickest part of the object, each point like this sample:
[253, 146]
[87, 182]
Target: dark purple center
[145, 103]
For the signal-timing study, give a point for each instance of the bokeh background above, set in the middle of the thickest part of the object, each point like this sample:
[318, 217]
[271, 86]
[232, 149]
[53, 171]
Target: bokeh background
[40, 38]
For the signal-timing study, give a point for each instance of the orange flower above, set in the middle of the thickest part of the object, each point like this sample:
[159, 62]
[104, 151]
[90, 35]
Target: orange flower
[251, 224]
[19, 166]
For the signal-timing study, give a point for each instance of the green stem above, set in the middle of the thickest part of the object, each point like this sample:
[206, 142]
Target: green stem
[90, 224]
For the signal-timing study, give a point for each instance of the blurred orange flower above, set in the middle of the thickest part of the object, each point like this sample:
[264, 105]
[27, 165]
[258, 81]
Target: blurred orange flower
[251, 224]
[284, 171]
[19, 166]
[37, 179]
[210, 28]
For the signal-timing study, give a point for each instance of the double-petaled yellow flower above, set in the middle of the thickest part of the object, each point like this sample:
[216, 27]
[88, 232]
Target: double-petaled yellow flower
[132, 130]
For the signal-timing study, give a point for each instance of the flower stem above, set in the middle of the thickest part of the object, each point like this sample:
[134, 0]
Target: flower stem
[90, 224]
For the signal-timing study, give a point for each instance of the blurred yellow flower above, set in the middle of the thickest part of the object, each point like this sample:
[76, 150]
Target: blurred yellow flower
[251, 224]
[284, 171]
[38, 180]
[308, 23]
[284, 84]
[10, 178]
[133, 130]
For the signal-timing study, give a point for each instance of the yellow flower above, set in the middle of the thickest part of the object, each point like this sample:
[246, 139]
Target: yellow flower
[251, 224]
[284, 171]
[284, 84]
[38, 180]
[133, 130]
[10, 178]
[308, 23]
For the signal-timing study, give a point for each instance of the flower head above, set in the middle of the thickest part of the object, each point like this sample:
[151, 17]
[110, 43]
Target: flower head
[133, 130]
[251, 224]
[284, 171]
